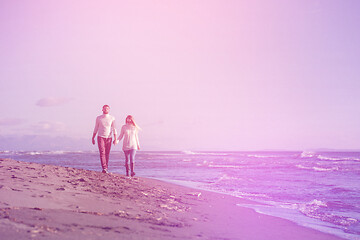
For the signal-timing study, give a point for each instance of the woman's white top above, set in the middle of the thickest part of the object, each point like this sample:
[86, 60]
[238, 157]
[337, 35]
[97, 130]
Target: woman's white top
[131, 140]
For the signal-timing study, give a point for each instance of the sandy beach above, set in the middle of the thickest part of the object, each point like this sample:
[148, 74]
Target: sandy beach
[51, 202]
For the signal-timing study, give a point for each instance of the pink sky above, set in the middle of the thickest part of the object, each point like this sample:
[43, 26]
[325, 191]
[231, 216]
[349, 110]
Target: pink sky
[196, 75]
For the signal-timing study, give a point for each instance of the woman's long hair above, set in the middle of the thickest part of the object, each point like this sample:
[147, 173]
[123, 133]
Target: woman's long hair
[130, 120]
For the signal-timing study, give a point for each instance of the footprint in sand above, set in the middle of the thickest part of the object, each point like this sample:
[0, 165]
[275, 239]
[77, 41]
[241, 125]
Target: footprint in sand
[16, 190]
[31, 168]
[81, 180]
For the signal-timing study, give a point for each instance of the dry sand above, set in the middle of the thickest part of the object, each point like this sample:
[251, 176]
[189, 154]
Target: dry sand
[51, 202]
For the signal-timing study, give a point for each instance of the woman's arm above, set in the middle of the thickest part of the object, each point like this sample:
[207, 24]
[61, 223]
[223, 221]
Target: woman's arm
[121, 134]
[137, 140]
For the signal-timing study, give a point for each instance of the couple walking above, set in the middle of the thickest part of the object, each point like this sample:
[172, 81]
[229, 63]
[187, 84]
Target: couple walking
[105, 128]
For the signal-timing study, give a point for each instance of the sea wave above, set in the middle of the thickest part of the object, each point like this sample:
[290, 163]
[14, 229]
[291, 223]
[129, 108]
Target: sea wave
[155, 154]
[188, 152]
[340, 190]
[57, 152]
[225, 166]
[32, 153]
[321, 157]
[249, 195]
[310, 208]
[318, 169]
[5, 152]
[307, 154]
[263, 156]
[187, 160]
[314, 209]
[224, 177]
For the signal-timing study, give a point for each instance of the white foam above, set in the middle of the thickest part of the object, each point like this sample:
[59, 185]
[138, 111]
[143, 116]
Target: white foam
[226, 177]
[263, 156]
[187, 160]
[290, 211]
[188, 152]
[204, 163]
[307, 154]
[318, 169]
[318, 203]
[225, 166]
[311, 208]
[203, 153]
[56, 152]
[329, 158]
[247, 194]
[301, 166]
[34, 153]
[321, 157]
[325, 169]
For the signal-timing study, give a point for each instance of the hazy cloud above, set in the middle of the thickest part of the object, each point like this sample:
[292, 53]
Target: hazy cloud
[49, 127]
[43, 143]
[52, 101]
[11, 121]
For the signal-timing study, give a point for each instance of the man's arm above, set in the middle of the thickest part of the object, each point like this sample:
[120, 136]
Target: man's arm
[93, 138]
[95, 131]
[115, 139]
[113, 126]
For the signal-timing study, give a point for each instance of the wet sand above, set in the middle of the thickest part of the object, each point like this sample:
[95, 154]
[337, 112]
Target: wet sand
[51, 202]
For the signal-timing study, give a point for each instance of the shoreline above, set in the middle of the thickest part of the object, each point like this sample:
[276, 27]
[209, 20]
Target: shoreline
[272, 210]
[52, 202]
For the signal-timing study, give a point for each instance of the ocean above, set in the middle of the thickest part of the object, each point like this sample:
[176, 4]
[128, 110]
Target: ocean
[320, 190]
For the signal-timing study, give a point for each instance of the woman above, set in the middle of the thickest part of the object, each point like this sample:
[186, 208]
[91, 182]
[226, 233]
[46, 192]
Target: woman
[130, 144]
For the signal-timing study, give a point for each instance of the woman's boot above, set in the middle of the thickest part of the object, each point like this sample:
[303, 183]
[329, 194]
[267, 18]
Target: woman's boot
[132, 169]
[127, 170]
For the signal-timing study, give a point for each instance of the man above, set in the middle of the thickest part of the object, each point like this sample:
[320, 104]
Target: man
[104, 128]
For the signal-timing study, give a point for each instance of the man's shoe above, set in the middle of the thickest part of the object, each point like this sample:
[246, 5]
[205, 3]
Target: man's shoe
[105, 171]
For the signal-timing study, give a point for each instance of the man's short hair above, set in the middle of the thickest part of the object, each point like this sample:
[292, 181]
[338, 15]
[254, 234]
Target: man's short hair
[106, 106]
